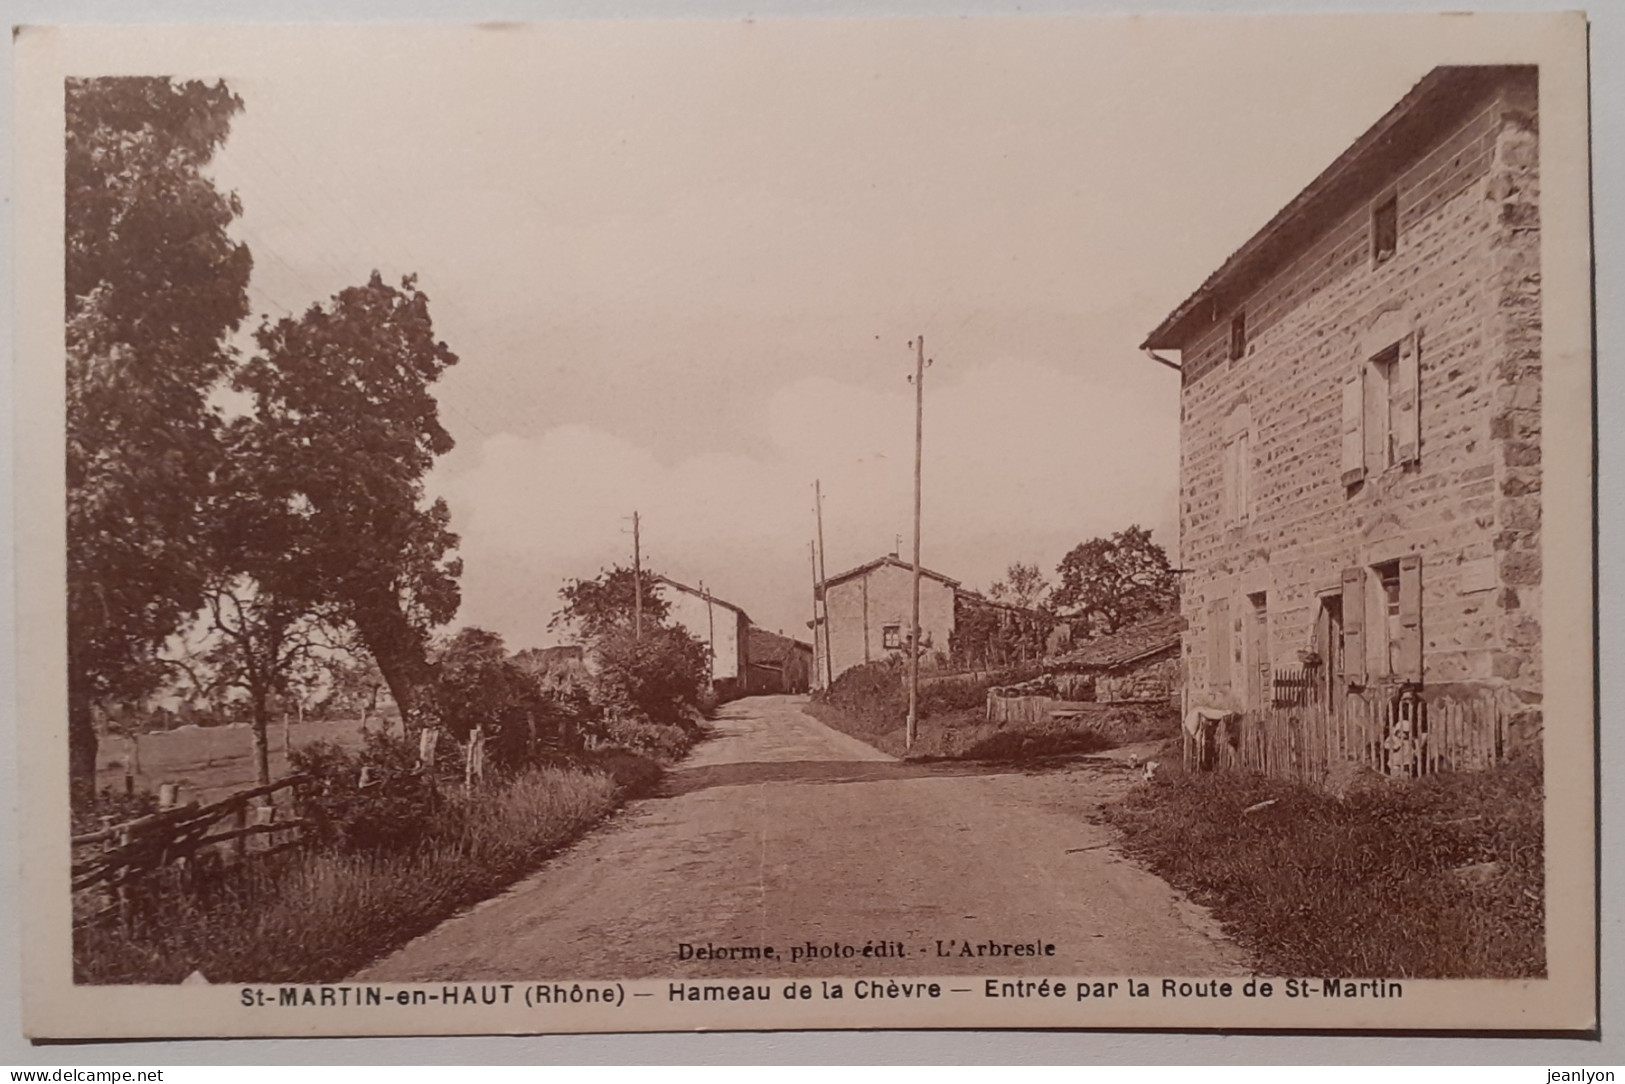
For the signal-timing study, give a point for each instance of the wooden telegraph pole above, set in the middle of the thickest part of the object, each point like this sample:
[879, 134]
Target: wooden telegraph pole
[637, 580]
[812, 558]
[823, 588]
[913, 728]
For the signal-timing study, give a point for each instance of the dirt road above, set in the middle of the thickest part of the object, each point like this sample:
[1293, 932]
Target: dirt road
[780, 833]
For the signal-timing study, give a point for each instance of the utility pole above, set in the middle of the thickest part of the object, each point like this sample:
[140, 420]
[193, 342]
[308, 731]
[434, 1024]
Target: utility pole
[913, 728]
[812, 557]
[637, 580]
[823, 588]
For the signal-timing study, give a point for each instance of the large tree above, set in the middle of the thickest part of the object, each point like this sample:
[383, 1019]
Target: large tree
[1114, 582]
[343, 429]
[608, 602]
[154, 286]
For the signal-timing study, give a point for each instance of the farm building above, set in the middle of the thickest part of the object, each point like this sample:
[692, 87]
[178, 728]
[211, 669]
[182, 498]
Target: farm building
[1137, 664]
[721, 626]
[778, 664]
[1360, 469]
[869, 615]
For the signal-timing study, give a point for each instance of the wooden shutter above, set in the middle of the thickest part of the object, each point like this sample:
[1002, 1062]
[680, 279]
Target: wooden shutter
[1218, 642]
[1354, 625]
[1354, 427]
[1410, 619]
[1406, 409]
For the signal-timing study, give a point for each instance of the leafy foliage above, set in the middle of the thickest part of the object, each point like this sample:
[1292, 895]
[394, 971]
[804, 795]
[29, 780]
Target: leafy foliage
[662, 677]
[607, 602]
[153, 285]
[343, 430]
[1023, 584]
[1114, 582]
[481, 686]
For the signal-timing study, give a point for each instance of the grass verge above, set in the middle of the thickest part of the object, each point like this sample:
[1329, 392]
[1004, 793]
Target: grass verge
[965, 734]
[317, 916]
[1438, 878]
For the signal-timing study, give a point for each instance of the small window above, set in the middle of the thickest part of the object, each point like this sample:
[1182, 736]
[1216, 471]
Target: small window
[1384, 229]
[891, 636]
[1238, 335]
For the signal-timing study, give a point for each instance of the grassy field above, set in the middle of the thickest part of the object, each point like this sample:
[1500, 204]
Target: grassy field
[211, 762]
[1437, 878]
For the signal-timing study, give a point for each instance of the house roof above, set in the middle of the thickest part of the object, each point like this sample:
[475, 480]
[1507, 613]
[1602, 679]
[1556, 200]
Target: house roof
[697, 593]
[976, 598]
[889, 559]
[770, 647]
[1441, 99]
[1129, 645]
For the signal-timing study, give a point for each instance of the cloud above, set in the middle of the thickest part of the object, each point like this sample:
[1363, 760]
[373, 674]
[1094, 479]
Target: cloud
[1022, 461]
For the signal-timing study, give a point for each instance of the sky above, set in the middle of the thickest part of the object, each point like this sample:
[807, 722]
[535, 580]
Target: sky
[681, 263]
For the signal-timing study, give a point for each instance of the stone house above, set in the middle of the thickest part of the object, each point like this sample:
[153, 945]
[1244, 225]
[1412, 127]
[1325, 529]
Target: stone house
[1360, 405]
[869, 614]
[1138, 664]
[721, 626]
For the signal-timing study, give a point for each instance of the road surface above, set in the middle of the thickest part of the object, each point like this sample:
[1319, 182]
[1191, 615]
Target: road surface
[781, 833]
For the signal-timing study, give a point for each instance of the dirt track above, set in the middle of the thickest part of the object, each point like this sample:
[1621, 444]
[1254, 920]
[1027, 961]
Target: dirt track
[781, 832]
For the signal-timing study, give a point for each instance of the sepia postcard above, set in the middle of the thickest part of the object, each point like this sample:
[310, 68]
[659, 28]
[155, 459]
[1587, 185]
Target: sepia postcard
[589, 526]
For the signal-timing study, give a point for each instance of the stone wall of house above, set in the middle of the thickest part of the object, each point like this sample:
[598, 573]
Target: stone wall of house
[862, 607]
[1153, 681]
[1465, 280]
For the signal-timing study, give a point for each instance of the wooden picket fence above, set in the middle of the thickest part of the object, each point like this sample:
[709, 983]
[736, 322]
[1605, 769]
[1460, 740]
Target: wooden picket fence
[1394, 736]
[113, 866]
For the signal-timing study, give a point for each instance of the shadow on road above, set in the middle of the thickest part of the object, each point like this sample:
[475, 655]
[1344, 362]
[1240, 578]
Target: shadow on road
[689, 780]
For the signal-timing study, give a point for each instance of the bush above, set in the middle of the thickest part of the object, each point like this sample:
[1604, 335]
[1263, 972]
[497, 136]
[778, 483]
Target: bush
[662, 676]
[393, 812]
[648, 738]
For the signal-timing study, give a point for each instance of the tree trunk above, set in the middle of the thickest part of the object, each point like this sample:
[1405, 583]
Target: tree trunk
[397, 648]
[262, 746]
[81, 742]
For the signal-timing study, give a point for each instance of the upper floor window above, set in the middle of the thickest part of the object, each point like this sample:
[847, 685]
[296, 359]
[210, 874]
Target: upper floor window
[1384, 229]
[1238, 335]
[1382, 411]
[1237, 492]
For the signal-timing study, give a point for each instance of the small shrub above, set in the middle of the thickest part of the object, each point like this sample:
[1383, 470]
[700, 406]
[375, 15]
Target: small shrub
[640, 735]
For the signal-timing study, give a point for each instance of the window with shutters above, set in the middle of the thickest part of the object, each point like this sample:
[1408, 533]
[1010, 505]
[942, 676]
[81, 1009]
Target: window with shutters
[1381, 413]
[1393, 620]
[891, 636]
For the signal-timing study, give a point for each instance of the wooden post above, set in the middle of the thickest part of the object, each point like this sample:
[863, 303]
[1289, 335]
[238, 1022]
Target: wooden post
[812, 556]
[823, 586]
[912, 729]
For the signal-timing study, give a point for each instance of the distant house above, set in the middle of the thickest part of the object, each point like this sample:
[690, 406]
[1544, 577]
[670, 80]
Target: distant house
[1138, 664]
[777, 664]
[869, 611]
[721, 626]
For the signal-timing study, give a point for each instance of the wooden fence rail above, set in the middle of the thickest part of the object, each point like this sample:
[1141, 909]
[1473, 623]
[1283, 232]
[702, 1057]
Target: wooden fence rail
[111, 861]
[1303, 739]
